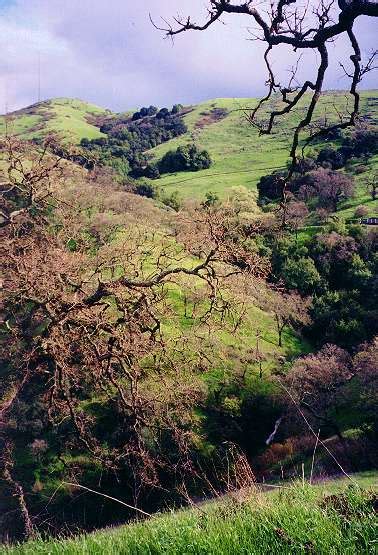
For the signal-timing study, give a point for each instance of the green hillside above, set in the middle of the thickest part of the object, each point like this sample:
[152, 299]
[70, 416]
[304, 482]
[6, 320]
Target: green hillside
[157, 337]
[69, 118]
[330, 518]
[240, 155]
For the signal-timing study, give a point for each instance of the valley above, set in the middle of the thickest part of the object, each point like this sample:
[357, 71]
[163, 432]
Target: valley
[171, 320]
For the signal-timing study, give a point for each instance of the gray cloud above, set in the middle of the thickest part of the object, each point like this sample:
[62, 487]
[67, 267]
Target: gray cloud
[110, 54]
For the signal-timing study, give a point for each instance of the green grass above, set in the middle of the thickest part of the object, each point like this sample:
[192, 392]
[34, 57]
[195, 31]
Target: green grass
[66, 117]
[361, 197]
[291, 522]
[299, 519]
[245, 338]
[240, 155]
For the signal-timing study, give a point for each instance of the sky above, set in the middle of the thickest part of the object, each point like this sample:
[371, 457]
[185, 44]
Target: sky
[109, 53]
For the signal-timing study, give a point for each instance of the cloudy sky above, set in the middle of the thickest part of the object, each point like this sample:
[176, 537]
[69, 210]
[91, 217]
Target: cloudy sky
[107, 52]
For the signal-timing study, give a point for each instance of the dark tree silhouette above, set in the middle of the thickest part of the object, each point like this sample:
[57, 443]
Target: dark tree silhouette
[312, 25]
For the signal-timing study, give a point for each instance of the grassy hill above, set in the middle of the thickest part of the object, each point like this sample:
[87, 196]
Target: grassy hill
[328, 518]
[69, 118]
[241, 357]
[240, 156]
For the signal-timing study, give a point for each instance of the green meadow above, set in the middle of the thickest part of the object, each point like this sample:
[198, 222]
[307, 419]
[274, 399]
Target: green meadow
[68, 118]
[240, 155]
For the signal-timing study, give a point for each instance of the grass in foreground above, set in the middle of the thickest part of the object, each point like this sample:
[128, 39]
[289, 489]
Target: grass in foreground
[334, 518]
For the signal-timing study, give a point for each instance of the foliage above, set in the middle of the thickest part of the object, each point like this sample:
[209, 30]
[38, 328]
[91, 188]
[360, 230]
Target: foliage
[331, 158]
[345, 314]
[127, 139]
[172, 201]
[362, 141]
[223, 393]
[108, 380]
[329, 381]
[270, 186]
[329, 187]
[145, 190]
[302, 275]
[210, 199]
[185, 158]
[296, 213]
[151, 111]
[361, 211]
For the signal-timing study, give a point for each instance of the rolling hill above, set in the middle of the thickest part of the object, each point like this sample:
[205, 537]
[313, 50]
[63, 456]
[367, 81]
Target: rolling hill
[240, 155]
[69, 118]
[241, 401]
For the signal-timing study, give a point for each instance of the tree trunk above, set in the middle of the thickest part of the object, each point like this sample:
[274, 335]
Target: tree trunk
[280, 328]
[18, 493]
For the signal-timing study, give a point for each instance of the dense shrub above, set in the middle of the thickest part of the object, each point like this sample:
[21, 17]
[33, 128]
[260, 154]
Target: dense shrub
[363, 141]
[330, 158]
[177, 108]
[270, 186]
[163, 113]
[361, 211]
[172, 201]
[305, 165]
[151, 171]
[128, 139]
[301, 275]
[145, 190]
[185, 158]
[327, 186]
[151, 111]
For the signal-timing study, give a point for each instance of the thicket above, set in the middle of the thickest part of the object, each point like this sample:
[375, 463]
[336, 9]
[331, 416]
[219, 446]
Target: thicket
[334, 386]
[317, 179]
[338, 268]
[128, 139]
[101, 379]
[185, 158]
[362, 142]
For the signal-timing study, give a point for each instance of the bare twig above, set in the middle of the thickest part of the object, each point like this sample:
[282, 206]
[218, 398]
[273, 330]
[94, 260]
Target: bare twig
[75, 485]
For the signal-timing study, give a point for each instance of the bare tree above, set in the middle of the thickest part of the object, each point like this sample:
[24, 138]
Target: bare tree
[323, 384]
[372, 185]
[296, 214]
[302, 26]
[289, 309]
[27, 184]
[318, 382]
[329, 186]
[85, 317]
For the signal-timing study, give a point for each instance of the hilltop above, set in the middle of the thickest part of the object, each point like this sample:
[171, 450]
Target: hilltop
[240, 155]
[70, 119]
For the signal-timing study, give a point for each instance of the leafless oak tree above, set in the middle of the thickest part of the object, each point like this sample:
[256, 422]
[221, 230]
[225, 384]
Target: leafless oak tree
[303, 26]
[84, 315]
